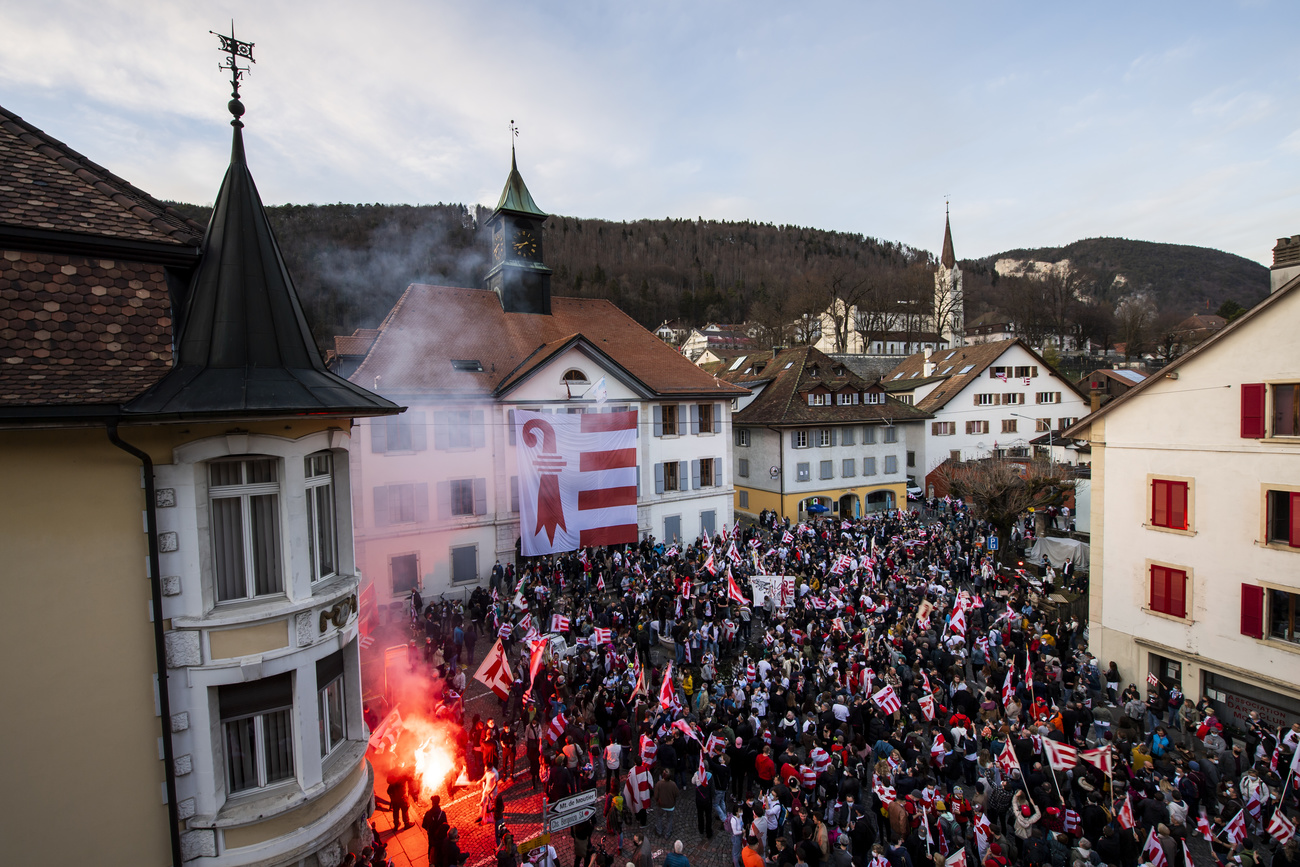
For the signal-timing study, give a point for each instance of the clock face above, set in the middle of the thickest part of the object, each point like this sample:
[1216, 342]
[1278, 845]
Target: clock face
[498, 245]
[525, 244]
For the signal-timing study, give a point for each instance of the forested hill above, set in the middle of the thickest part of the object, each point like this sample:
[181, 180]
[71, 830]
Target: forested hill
[1176, 275]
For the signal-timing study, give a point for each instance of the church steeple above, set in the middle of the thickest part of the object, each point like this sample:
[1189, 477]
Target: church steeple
[949, 320]
[947, 258]
[518, 275]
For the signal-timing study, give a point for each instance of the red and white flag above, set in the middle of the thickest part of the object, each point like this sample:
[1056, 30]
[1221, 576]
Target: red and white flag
[649, 750]
[709, 564]
[1187, 854]
[1100, 758]
[1282, 828]
[1203, 827]
[1060, 756]
[556, 728]
[715, 744]
[1153, 680]
[494, 673]
[667, 695]
[733, 554]
[1008, 687]
[958, 622]
[600, 582]
[983, 832]
[927, 706]
[1153, 851]
[1073, 822]
[733, 591]
[577, 480]
[786, 538]
[1007, 760]
[1125, 814]
[937, 748]
[956, 859]
[600, 635]
[387, 731]
[559, 623]
[1236, 829]
[636, 791]
[535, 662]
[886, 794]
[887, 700]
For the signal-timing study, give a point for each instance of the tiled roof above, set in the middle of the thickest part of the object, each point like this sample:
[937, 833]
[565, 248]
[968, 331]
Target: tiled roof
[785, 402]
[432, 325]
[46, 185]
[977, 358]
[75, 330]
[356, 343]
[869, 367]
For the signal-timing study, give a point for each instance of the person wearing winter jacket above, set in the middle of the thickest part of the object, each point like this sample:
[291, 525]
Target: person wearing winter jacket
[1026, 815]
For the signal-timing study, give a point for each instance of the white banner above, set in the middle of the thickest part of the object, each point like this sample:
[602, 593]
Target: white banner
[577, 480]
[780, 586]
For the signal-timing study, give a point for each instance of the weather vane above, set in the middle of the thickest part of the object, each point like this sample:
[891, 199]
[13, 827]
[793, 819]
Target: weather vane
[235, 49]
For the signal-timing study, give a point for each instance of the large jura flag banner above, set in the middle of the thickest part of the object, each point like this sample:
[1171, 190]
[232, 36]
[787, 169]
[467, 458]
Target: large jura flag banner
[577, 480]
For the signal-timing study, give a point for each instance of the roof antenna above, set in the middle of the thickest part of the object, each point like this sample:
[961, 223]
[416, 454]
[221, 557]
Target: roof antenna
[236, 49]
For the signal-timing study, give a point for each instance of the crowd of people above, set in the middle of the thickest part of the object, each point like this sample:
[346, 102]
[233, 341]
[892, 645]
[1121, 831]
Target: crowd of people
[868, 692]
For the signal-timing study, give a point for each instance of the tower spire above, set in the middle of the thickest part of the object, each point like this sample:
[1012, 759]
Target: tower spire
[947, 258]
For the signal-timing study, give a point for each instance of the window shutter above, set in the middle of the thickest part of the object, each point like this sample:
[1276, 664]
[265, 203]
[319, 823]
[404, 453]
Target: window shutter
[659, 478]
[695, 418]
[833, 436]
[419, 432]
[441, 431]
[659, 420]
[1160, 503]
[717, 472]
[1159, 593]
[444, 500]
[510, 428]
[480, 496]
[381, 506]
[1178, 505]
[1293, 538]
[1252, 410]
[478, 430]
[379, 435]
[735, 437]
[514, 493]
[1252, 610]
[810, 399]
[717, 418]
[1177, 592]
[422, 503]
[683, 420]
[695, 475]
[793, 441]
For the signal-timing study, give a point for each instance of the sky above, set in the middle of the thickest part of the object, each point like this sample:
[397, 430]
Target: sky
[1043, 123]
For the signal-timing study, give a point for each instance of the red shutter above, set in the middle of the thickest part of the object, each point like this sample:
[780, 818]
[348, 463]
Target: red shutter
[1160, 503]
[1252, 410]
[1178, 505]
[1159, 589]
[1294, 539]
[1252, 610]
[1177, 592]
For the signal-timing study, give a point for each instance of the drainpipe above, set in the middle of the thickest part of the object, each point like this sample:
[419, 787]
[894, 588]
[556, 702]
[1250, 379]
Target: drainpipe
[159, 644]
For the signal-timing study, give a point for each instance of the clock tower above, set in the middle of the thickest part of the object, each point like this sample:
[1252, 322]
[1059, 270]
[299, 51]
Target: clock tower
[518, 275]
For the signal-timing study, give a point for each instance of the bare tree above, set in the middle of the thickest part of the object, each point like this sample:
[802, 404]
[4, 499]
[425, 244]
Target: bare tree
[1134, 317]
[1000, 492]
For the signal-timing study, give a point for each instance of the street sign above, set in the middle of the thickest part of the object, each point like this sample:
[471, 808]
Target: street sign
[529, 845]
[993, 543]
[570, 811]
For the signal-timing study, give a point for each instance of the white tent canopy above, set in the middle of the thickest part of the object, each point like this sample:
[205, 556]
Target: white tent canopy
[1059, 550]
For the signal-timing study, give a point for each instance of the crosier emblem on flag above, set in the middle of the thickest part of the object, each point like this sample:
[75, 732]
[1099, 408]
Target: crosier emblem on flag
[887, 700]
[495, 671]
[577, 480]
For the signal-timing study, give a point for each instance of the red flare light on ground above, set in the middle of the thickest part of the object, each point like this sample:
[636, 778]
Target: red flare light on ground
[435, 755]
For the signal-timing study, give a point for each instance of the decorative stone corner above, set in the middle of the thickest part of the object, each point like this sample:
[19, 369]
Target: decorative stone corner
[180, 721]
[164, 498]
[183, 649]
[171, 585]
[169, 542]
[183, 765]
[330, 856]
[185, 809]
[197, 844]
[303, 625]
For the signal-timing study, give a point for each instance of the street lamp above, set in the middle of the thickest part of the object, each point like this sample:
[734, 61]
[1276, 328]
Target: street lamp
[1050, 455]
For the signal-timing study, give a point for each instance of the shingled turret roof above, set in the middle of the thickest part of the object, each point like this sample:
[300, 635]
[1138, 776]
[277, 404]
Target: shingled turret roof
[515, 197]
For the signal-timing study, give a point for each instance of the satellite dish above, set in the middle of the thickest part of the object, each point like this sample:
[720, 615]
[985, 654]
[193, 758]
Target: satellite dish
[774, 472]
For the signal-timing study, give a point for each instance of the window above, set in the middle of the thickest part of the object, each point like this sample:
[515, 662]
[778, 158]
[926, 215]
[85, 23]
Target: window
[800, 438]
[1067, 421]
[999, 372]
[402, 504]
[257, 729]
[877, 398]
[847, 436]
[846, 398]
[904, 398]
[827, 470]
[329, 691]
[1023, 372]
[1169, 504]
[742, 468]
[868, 436]
[1047, 397]
[706, 418]
[1009, 425]
[849, 467]
[398, 434]
[459, 429]
[744, 499]
[1018, 452]
[803, 471]
[955, 456]
[672, 476]
[911, 459]
[245, 501]
[819, 400]
[471, 365]
[574, 376]
[1283, 612]
[824, 437]
[891, 464]
[1013, 399]
[1286, 410]
[462, 497]
[464, 564]
[1042, 425]
[868, 466]
[707, 479]
[943, 428]
[977, 427]
[891, 434]
[1168, 590]
[321, 530]
[708, 522]
[668, 427]
[673, 529]
[1283, 519]
[742, 437]
[405, 572]
[986, 400]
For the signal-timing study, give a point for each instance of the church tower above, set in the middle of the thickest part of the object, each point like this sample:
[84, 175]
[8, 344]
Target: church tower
[949, 318]
[518, 275]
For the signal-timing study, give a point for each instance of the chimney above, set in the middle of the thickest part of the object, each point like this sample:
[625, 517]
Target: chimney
[927, 366]
[1286, 262]
[1094, 400]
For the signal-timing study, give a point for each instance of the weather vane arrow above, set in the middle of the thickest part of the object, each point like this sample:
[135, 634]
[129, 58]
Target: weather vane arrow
[235, 49]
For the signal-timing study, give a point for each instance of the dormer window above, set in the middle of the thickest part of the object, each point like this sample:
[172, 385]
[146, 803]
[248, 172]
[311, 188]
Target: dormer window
[575, 376]
[812, 371]
[472, 365]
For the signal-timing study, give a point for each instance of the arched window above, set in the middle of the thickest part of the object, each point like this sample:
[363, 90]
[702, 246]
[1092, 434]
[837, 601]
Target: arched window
[574, 375]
